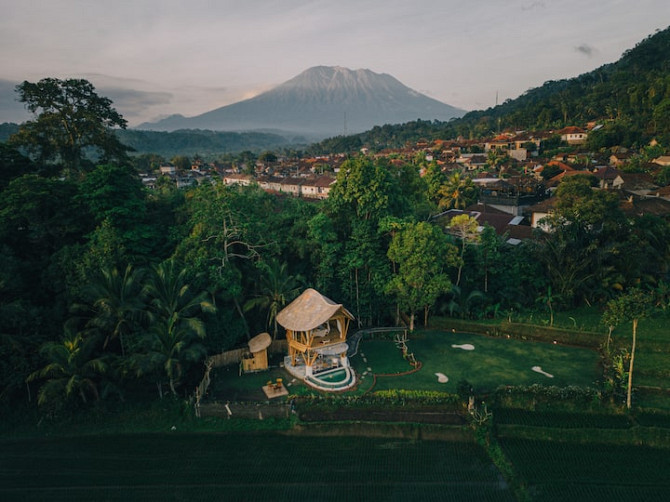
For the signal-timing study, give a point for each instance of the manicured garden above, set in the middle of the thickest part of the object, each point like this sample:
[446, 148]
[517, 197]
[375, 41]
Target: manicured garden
[485, 362]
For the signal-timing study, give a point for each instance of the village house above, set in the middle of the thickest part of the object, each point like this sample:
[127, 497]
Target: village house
[472, 161]
[636, 183]
[607, 176]
[573, 135]
[620, 159]
[238, 179]
[270, 183]
[537, 212]
[515, 228]
[317, 188]
[168, 170]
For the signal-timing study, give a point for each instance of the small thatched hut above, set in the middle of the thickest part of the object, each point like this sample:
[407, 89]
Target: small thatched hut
[257, 357]
[316, 331]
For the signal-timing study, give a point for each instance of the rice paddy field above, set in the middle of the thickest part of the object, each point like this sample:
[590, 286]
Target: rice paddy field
[245, 467]
[560, 471]
[556, 454]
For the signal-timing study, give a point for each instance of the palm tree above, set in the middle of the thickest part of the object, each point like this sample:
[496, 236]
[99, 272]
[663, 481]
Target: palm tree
[71, 370]
[172, 338]
[461, 304]
[277, 289]
[170, 344]
[118, 304]
[457, 193]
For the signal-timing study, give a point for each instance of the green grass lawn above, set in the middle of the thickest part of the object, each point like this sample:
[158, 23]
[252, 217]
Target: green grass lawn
[244, 467]
[493, 362]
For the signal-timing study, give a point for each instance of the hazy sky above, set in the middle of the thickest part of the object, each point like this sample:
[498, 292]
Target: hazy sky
[158, 57]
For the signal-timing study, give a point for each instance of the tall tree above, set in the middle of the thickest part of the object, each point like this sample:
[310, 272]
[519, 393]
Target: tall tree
[70, 118]
[632, 306]
[118, 304]
[422, 255]
[115, 194]
[466, 228]
[366, 191]
[13, 164]
[587, 228]
[435, 178]
[172, 340]
[277, 288]
[229, 227]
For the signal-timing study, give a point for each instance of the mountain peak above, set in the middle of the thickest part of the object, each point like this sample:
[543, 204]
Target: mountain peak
[323, 101]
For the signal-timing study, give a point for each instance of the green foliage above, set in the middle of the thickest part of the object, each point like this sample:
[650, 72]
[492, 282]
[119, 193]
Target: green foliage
[457, 192]
[423, 257]
[171, 341]
[71, 370]
[543, 397]
[70, 118]
[630, 97]
[13, 164]
[115, 194]
[277, 289]
[117, 304]
[633, 305]
[193, 142]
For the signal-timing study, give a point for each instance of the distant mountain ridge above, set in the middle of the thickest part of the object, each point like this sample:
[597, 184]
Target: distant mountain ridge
[321, 101]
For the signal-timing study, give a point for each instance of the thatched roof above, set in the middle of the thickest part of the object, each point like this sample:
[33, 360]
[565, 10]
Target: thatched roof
[260, 342]
[309, 310]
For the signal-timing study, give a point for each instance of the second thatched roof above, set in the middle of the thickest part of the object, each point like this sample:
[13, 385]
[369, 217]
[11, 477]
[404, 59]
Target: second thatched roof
[260, 342]
[310, 310]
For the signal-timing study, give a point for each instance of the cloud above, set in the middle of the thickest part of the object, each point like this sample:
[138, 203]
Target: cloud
[532, 5]
[585, 49]
[133, 103]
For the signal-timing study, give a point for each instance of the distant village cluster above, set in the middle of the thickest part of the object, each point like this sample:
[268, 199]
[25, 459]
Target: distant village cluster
[515, 182]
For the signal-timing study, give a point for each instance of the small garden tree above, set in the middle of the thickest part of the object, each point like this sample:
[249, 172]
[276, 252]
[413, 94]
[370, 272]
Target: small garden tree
[630, 306]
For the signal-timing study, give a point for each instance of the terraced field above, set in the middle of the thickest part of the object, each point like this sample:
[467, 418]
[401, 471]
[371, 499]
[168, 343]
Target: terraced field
[559, 471]
[245, 467]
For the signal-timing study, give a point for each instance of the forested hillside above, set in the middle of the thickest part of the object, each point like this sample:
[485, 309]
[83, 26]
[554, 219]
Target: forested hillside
[631, 98]
[192, 142]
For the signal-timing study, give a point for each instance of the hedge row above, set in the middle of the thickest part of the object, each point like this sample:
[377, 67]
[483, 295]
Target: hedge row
[386, 398]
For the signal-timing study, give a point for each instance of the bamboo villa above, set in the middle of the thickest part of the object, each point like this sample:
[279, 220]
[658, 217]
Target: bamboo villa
[316, 331]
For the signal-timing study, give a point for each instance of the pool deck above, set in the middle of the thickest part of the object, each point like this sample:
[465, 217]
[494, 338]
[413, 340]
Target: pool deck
[298, 371]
